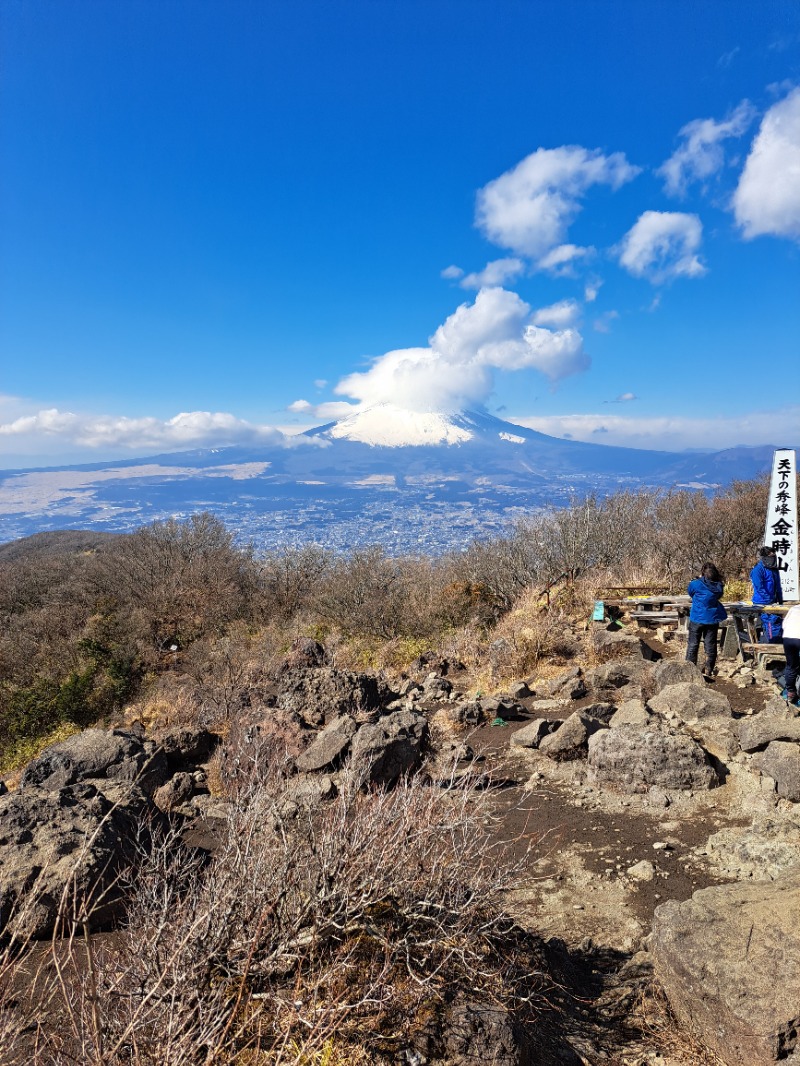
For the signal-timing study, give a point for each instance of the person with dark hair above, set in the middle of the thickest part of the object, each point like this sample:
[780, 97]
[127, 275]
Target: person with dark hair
[766, 580]
[704, 617]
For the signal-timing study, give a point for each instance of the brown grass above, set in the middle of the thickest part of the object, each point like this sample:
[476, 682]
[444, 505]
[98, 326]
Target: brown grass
[660, 1025]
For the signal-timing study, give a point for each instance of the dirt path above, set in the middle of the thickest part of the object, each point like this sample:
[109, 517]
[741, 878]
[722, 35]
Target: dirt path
[604, 862]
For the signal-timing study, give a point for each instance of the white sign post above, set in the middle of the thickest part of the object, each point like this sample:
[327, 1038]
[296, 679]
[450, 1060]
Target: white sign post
[781, 528]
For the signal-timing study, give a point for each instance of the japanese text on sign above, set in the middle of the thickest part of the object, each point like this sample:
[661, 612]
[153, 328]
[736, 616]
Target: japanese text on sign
[781, 527]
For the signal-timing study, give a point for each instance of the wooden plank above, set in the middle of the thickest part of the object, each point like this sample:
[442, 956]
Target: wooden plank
[758, 608]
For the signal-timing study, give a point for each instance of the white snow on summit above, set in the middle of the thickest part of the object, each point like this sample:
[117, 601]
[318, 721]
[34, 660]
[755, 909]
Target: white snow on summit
[394, 427]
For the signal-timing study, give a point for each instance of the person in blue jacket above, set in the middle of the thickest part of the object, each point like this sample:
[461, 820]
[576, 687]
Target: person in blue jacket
[704, 617]
[766, 578]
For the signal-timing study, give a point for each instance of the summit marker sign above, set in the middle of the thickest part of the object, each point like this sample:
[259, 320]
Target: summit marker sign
[781, 527]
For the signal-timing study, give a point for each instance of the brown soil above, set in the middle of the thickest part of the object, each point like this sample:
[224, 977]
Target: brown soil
[579, 892]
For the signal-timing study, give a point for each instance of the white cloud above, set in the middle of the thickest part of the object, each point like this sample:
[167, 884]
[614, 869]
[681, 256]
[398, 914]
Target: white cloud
[603, 323]
[120, 433]
[671, 432]
[700, 155]
[320, 383]
[452, 272]
[767, 199]
[727, 58]
[561, 261]
[529, 208]
[661, 245]
[592, 289]
[330, 410]
[498, 272]
[556, 354]
[563, 313]
[495, 332]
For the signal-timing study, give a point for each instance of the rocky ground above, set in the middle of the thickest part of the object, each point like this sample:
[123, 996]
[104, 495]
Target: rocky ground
[664, 812]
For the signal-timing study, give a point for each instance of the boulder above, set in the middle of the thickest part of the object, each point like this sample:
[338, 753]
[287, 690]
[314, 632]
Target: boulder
[758, 731]
[569, 685]
[98, 755]
[175, 792]
[674, 672]
[571, 738]
[431, 661]
[717, 735]
[548, 704]
[452, 752]
[631, 712]
[436, 687]
[494, 707]
[64, 846]
[617, 644]
[479, 1034]
[316, 696]
[520, 691]
[781, 761]
[531, 735]
[306, 793]
[687, 701]
[762, 851]
[632, 759]
[622, 679]
[602, 712]
[187, 747]
[329, 747]
[776, 707]
[469, 713]
[391, 747]
[305, 652]
[729, 962]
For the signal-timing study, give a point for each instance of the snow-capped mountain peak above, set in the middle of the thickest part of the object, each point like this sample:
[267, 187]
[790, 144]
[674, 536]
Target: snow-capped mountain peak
[389, 426]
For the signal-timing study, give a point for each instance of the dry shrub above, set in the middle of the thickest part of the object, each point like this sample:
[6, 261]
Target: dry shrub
[727, 528]
[466, 644]
[665, 1031]
[214, 680]
[320, 938]
[529, 635]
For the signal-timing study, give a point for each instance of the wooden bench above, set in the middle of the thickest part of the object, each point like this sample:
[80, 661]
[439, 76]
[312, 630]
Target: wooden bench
[654, 616]
[762, 653]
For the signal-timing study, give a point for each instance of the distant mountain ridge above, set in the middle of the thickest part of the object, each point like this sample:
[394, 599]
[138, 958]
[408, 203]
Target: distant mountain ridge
[409, 476]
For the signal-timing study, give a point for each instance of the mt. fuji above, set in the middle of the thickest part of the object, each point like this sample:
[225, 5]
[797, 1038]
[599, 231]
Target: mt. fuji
[407, 479]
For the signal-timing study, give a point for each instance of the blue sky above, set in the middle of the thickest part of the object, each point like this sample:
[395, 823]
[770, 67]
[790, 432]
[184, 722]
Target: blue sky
[218, 218]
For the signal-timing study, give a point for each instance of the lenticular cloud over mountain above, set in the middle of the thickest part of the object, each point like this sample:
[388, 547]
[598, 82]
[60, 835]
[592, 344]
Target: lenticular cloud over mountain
[456, 371]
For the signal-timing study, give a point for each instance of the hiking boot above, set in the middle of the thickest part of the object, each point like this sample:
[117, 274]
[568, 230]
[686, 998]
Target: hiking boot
[791, 699]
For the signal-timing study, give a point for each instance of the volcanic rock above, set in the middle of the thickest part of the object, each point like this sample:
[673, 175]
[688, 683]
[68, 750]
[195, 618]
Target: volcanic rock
[729, 962]
[633, 759]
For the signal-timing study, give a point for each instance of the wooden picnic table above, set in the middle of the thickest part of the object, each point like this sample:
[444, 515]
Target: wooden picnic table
[759, 608]
[654, 601]
[742, 615]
